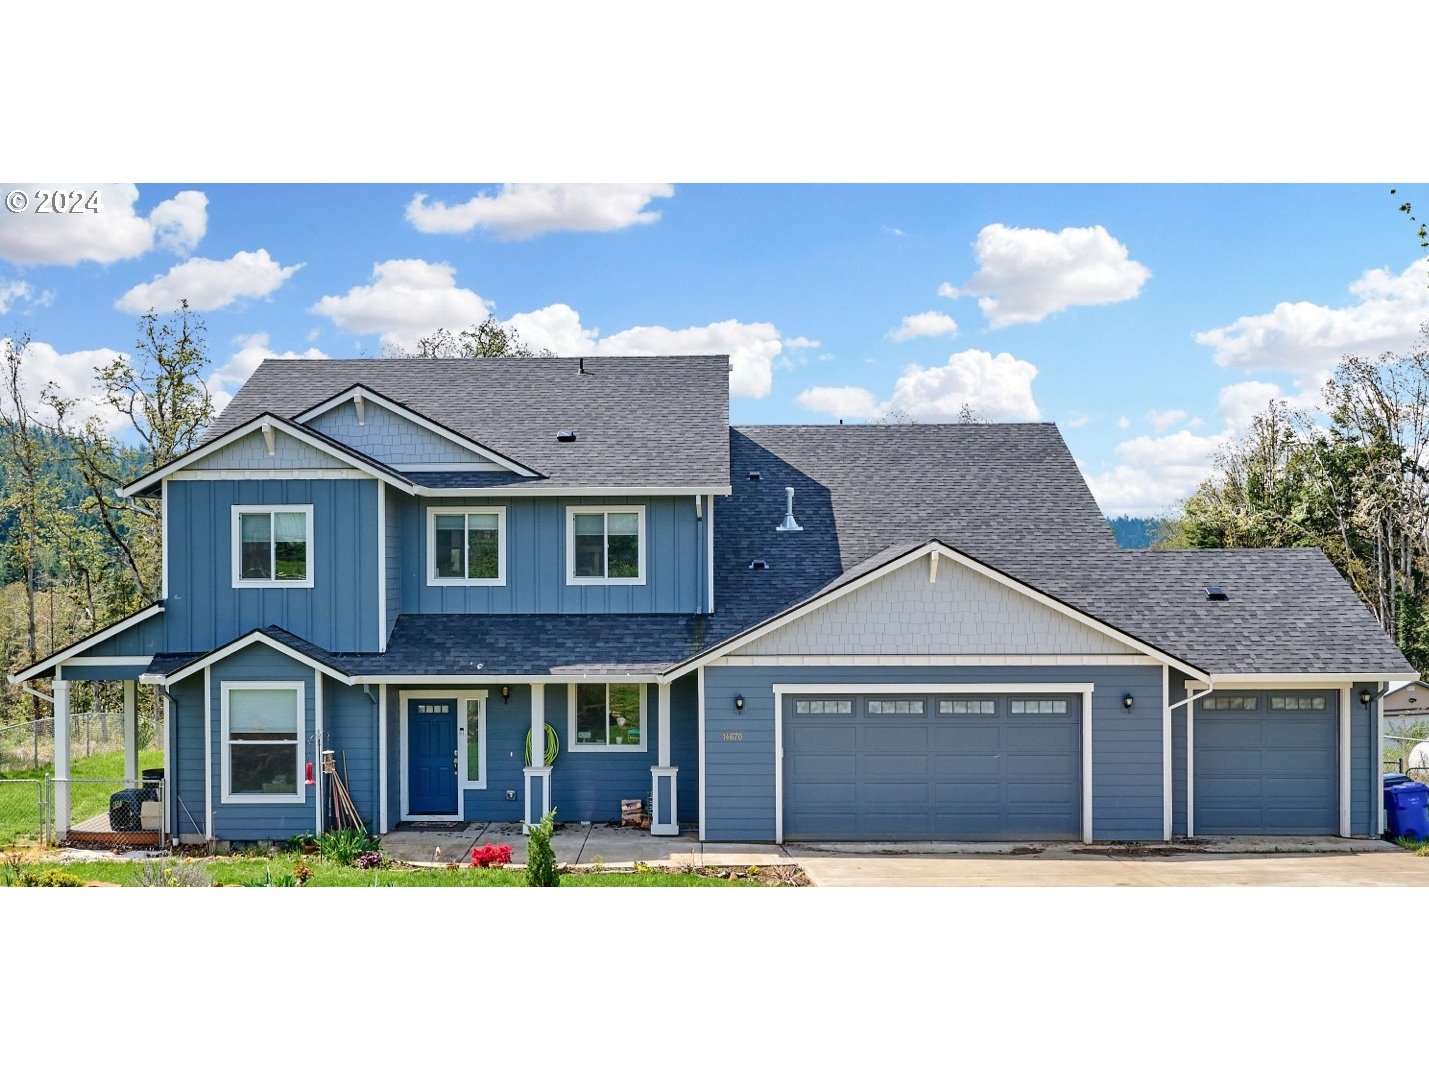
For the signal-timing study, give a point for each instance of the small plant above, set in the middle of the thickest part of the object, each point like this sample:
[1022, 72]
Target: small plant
[368, 861]
[343, 846]
[489, 855]
[269, 880]
[302, 874]
[304, 843]
[53, 878]
[172, 874]
[540, 856]
[642, 867]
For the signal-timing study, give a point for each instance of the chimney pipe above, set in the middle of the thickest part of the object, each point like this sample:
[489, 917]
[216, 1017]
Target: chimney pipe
[788, 524]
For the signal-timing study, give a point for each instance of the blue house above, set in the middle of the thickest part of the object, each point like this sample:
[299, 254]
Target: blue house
[492, 588]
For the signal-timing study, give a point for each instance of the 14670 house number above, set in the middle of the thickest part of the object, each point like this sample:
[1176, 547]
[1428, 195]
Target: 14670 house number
[735, 737]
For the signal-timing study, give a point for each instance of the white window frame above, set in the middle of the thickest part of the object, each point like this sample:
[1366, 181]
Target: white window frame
[236, 549]
[460, 581]
[572, 512]
[227, 795]
[573, 746]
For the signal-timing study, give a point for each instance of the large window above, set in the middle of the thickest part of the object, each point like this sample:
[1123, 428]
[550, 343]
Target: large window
[607, 716]
[272, 547]
[466, 546]
[262, 742]
[605, 546]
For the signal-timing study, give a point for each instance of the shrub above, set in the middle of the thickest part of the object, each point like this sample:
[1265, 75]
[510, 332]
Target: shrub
[540, 856]
[368, 861]
[172, 874]
[488, 855]
[52, 878]
[343, 846]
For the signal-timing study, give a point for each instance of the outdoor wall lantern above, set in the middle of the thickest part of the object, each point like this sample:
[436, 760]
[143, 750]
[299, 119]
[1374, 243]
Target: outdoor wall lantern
[1365, 696]
[506, 693]
[739, 702]
[1128, 701]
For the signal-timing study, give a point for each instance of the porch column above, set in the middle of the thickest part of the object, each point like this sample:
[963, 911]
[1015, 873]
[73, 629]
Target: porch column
[538, 774]
[1190, 764]
[61, 816]
[663, 778]
[131, 735]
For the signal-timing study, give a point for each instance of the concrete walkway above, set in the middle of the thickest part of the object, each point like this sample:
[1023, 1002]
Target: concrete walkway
[579, 845]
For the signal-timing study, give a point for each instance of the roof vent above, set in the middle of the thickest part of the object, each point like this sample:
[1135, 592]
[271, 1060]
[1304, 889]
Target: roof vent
[754, 474]
[759, 563]
[565, 435]
[1216, 594]
[788, 524]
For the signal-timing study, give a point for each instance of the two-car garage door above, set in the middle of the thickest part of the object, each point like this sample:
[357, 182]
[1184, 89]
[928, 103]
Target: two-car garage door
[932, 767]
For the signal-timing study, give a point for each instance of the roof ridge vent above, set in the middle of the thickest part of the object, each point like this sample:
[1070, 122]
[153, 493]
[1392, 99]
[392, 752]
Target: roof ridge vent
[788, 524]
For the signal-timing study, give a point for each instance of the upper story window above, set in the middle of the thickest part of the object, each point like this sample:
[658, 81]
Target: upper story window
[605, 545]
[272, 546]
[466, 545]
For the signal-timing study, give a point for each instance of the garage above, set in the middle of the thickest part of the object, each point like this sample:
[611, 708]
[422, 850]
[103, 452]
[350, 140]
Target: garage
[938, 766]
[1267, 763]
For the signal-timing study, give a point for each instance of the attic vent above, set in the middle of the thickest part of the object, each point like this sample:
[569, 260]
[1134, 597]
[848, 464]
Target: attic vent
[565, 435]
[1215, 594]
[759, 563]
[754, 474]
[788, 524]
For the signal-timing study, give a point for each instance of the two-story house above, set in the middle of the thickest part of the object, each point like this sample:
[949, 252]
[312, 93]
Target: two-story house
[496, 587]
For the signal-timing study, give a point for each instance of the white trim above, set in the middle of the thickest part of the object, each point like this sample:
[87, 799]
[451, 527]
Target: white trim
[434, 581]
[171, 821]
[1191, 759]
[226, 793]
[1345, 770]
[638, 579]
[458, 696]
[210, 475]
[307, 438]
[382, 826]
[936, 660]
[1377, 783]
[319, 769]
[790, 616]
[207, 757]
[1299, 680]
[1166, 779]
[709, 554]
[1084, 689]
[236, 513]
[577, 748]
[267, 428]
[662, 702]
[381, 569]
[545, 489]
[359, 403]
[700, 710]
[59, 820]
[367, 394]
[670, 828]
[243, 641]
[131, 732]
[74, 649]
[116, 660]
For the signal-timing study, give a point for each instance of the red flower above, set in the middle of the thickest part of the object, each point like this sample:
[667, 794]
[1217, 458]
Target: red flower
[487, 855]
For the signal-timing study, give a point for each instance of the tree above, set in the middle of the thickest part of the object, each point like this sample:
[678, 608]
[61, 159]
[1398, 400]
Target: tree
[490, 338]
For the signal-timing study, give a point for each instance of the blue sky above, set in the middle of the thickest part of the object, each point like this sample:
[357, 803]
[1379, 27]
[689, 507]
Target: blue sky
[1149, 322]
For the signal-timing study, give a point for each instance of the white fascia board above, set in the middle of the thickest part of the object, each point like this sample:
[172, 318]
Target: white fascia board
[565, 491]
[416, 418]
[1304, 680]
[83, 645]
[244, 641]
[243, 430]
[500, 678]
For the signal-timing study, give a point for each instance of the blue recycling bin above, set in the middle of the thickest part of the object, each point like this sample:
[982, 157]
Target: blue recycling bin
[1406, 809]
[1396, 779]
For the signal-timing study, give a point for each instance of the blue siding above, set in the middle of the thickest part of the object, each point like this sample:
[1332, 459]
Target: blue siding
[1126, 745]
[204, 610]
[145, 638]
[186, 719]
[350, 731]
[393, 515]
[536, 561]
[260, 821]
[1178, 755]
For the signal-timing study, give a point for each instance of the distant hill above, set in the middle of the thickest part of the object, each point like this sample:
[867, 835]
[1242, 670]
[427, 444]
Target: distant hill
[1134, 533]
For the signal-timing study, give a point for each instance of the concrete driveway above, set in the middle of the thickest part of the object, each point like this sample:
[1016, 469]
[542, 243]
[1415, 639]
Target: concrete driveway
[1373, 864]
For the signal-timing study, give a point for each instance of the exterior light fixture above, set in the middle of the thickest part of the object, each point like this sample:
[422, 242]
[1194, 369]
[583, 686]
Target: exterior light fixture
[506, 693]
[1128, 701]
[739, 702]
[1365, 696]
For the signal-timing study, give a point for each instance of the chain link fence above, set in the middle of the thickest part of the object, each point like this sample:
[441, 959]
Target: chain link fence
[30, 745]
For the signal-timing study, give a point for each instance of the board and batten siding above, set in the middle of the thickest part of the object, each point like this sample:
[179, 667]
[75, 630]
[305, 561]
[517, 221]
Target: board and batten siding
[350, 733]
[339, 612]
[1127, 788]
[186, 767]
[675, 568]
[392, 439]
[392, 515]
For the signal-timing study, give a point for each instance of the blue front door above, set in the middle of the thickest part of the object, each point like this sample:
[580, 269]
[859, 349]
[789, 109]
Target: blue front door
[431, 756]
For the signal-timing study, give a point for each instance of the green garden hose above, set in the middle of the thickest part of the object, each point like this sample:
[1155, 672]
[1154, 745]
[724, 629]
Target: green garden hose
[553, 746]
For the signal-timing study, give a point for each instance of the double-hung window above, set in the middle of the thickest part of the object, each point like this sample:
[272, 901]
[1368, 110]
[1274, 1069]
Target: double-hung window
[605, 545]
[466, 545]
[262, 741]
[607, 717]
[272, 546]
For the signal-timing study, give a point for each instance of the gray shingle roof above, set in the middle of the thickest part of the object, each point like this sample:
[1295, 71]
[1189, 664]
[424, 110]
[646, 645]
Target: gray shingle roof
[639, 421]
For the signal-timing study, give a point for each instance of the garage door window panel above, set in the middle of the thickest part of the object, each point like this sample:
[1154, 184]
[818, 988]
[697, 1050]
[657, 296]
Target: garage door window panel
[906, 707]
[1039, 706]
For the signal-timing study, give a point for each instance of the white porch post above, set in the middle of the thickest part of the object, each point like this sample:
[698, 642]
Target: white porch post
[131, 735]
[1190, 764]
[664, 818]
[1345, 829]
[538, 774]
[61, 817]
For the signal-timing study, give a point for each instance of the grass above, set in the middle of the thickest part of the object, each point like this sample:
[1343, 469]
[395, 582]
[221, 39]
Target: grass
[1418, 847]
[20, 804]
[236, 870]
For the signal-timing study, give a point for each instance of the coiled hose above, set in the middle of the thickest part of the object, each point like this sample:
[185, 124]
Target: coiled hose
[553, 746]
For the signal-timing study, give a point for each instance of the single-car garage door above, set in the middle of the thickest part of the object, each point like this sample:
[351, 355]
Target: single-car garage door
[1267, 763]
[932, 767]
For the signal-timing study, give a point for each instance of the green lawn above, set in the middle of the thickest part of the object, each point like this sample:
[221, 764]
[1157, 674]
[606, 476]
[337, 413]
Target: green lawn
[20, 804]
[236, 870]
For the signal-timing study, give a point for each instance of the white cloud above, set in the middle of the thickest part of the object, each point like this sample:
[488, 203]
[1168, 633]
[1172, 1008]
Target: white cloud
[752, 348]
[995, 388]
[223, 382]
[405, 300]
[115, 232]
[15, 291]
[1025, 274]
[896, 232]
[924, 325]
[525, 210]
[1162, 419]
[73, 377]
[209, 284]
[1076, 419]
[1123, 422]
[799, 342]
[1240, 402]
[1300, 336]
